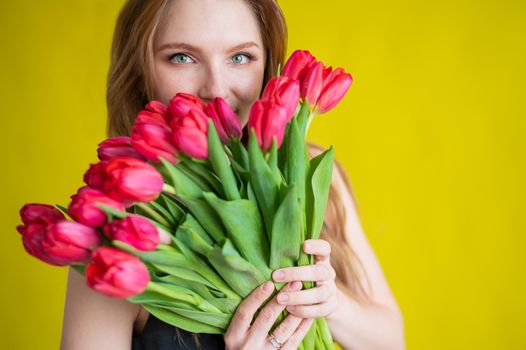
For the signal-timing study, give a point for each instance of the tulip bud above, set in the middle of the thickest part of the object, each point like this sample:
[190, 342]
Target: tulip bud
[297, 64]
[116, 273]
[189, 125]
[269, 121]
[120, 146]
[68, 242]
[225, 120]
[134, 230]
[283, 91]
[126, 180]
[335, 87]
[151, 134]
[83, 206]
[44, 214]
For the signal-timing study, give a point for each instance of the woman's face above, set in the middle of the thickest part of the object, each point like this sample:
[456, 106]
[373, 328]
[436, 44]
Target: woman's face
[210, 48]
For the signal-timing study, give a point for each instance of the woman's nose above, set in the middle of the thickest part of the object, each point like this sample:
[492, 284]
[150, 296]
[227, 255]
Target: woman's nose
[214, 85]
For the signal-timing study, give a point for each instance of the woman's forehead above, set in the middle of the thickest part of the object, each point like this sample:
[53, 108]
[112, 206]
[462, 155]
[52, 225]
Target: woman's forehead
[208, 22]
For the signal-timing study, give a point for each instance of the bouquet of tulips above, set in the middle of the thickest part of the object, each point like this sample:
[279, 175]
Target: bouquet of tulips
[186, 219]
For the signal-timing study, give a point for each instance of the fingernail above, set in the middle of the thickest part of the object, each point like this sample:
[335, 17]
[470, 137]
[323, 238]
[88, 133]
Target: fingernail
[268, 286]
[296, 285]
[277, 275]
[283, 297]
[306, 247]
[291, 308]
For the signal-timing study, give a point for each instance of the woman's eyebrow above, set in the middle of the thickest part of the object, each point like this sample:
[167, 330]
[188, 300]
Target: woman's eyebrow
[190, 47]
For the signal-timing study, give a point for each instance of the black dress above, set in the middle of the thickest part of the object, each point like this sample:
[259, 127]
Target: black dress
[159, 335]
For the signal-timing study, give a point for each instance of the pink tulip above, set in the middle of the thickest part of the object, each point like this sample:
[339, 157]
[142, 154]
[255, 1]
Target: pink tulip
[190, 125]
[44, 214]
[116, 273]
[135, 230]
[335, 86]
[119, 146]
[268, 121]
[151, 134]
[321, 87]
[182, 103]
[312, 84]
[32, 236]
[83, 206]
[69, 242]
[126, 180]
[225, 120]
[297, 64]
[36, 219]
[283, 91]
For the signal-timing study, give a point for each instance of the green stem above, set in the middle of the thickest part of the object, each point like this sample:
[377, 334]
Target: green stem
[153, 214]
[168, 188]
[155, 287]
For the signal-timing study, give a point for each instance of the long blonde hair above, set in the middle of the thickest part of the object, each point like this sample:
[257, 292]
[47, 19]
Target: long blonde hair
[129, 88]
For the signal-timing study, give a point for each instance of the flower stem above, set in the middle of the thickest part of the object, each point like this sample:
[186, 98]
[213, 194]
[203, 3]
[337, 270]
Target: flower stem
[153, 214]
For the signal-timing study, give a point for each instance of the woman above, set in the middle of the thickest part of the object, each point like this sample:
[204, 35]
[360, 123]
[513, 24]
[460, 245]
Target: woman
[230, 48]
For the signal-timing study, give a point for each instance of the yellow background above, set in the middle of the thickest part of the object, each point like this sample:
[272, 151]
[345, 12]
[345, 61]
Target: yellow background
[431, 133]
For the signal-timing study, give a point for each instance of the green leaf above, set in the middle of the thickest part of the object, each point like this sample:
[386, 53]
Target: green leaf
[206, 217]
[182, 322]
[286, 231]
[183, 185]
[203, 184]
[219, 161]
[204, 172]
[193, 240]
[175, 210]
[262, 182]
[242, 221]
[318, 192]
[241, 276]
[273, 161]
[191, 223]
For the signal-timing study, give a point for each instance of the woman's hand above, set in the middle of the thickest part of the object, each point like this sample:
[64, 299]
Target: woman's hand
[243, 334]
[320, 301]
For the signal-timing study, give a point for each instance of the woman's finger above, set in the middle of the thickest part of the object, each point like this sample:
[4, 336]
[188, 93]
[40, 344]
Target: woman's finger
[320, 248]
[315, 295]
[286, 328]
[313, 311]
[247, 308]
[268, 315]
[295, 339]
[317, 273]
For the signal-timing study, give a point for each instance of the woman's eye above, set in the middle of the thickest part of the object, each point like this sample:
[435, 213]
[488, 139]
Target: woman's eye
[241, 58]
[181, 58]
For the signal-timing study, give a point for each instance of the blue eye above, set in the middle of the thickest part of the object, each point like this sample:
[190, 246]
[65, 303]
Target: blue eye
[238, 59]
[180, 58]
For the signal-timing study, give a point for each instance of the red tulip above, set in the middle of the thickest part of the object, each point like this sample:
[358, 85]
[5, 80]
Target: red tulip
[36, 218]
[268, 121]
[181, 104]
[321, 87]
[297, 64]
[83, 206]
[32, 236]
[283, 91]
[69, 242]
[119, 146]
[225, 120]
[126, 180]
[335, 87]
[190, 125]
[116, 273]
[135, 230]
[44, 214]
[151, 134]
